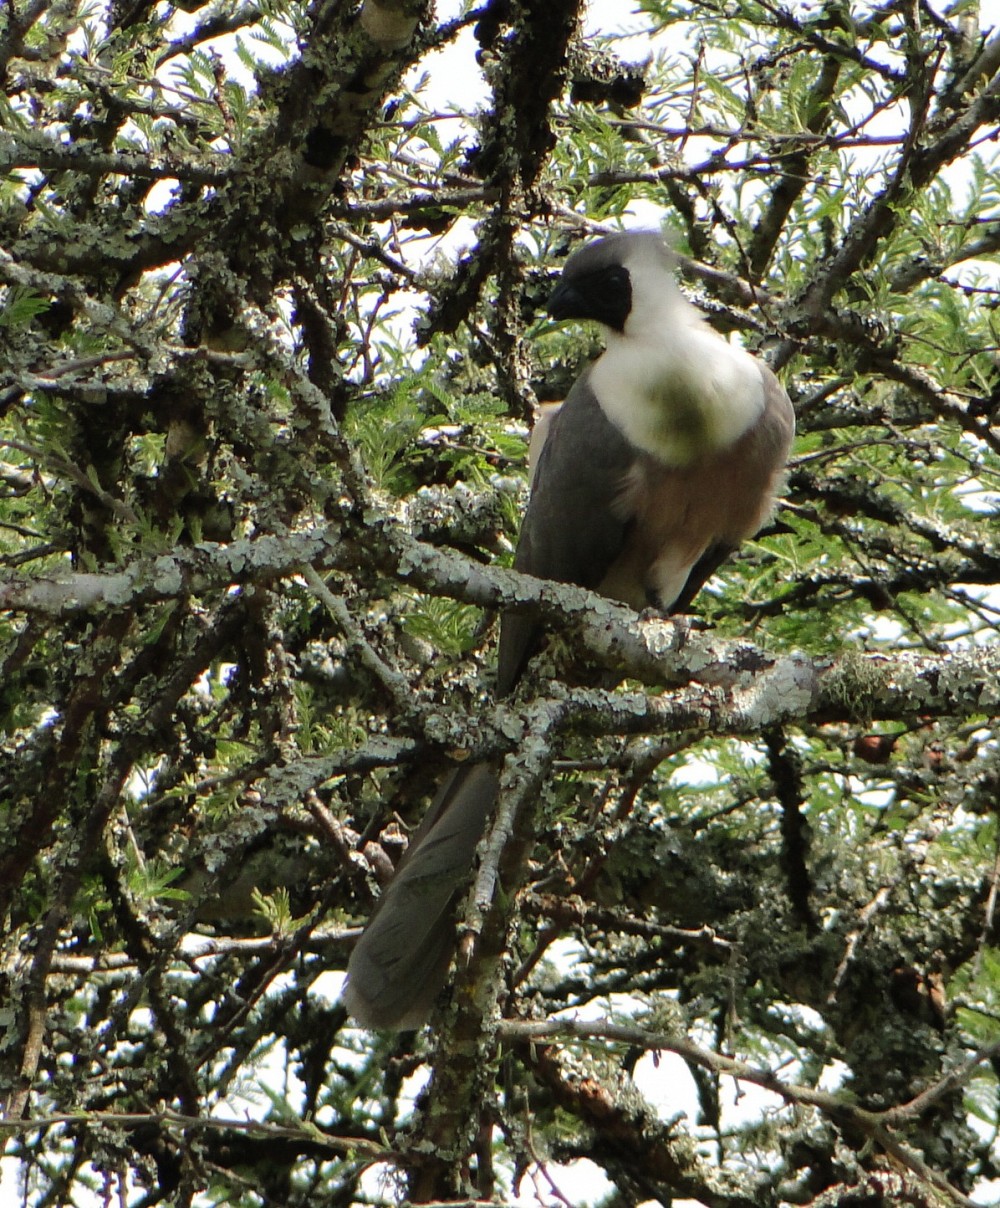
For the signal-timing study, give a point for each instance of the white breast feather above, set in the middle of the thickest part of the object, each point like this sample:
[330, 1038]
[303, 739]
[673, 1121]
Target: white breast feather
[674, 387]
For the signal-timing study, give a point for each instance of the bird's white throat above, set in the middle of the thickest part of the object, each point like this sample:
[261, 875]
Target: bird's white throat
[675, 388]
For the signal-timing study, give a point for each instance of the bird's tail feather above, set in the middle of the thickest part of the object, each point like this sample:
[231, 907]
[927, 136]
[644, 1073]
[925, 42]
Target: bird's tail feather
[400, 963]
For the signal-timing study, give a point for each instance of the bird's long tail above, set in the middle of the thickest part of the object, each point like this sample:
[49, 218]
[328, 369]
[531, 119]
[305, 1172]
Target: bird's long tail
[400, 963]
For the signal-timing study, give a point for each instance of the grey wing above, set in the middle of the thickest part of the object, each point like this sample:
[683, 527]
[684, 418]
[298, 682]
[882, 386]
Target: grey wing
[575, 526]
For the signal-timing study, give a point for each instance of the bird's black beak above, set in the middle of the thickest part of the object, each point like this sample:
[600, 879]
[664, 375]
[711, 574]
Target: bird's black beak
[566, 302]
[604, 295]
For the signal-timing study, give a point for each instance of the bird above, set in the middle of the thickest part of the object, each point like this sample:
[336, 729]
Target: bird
[667, 453]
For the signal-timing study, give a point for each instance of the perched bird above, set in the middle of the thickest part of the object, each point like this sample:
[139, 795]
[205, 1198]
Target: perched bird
[665, 455]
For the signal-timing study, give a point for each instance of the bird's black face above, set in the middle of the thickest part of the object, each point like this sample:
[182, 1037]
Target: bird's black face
[603, 294]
